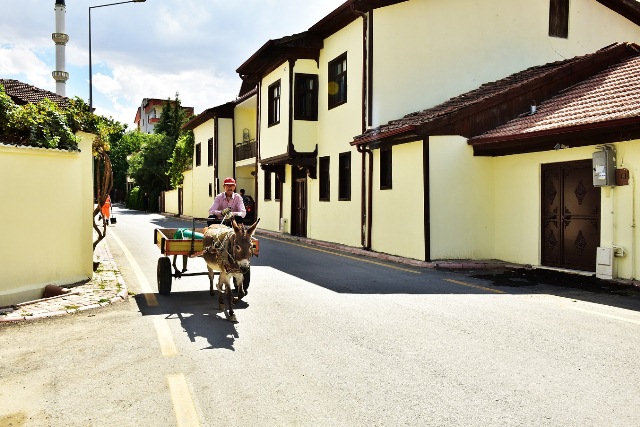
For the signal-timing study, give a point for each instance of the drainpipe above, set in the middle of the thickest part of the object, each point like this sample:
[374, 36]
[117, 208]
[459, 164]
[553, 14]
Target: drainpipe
[366, 204]
[366, 196]
[633, 227]
[256, 168]
[369, 200]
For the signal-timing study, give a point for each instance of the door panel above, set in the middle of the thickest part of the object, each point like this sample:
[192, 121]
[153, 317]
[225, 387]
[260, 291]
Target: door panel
[551, 235]
[299, 198]
[570, 216]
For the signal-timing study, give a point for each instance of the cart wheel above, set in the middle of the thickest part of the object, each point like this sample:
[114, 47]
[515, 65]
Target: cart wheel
[164, 276]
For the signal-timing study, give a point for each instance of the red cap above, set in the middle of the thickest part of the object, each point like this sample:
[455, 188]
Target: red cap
[229, 181]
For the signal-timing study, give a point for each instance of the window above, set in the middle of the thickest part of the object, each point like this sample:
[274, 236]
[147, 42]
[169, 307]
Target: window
[344, 177]
[198, 154]
[210, 152]
[385, 169]
[274, 103]
[338, 81]
[306, 97]
[325, 189]
[278, 190]
[559, 18]
[210, 189]
[267, 185]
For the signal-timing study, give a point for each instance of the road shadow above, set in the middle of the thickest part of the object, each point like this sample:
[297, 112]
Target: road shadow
[348, 273]
[198, 314]
[569, 285]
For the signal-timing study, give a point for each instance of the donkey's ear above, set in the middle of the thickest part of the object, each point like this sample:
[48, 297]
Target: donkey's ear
[251, 229]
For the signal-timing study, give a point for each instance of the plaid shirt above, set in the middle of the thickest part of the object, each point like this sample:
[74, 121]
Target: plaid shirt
[220, 203]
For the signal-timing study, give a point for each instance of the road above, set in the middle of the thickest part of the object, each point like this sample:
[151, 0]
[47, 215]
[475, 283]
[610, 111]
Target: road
[325, 339]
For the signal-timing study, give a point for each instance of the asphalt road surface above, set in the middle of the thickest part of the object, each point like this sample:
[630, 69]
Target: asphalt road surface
[326, 339]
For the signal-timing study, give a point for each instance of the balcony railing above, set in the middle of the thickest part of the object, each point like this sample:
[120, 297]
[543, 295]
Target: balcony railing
[245, 150]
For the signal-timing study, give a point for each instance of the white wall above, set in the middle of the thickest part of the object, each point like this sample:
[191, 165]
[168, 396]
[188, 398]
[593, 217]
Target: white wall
[462, 200]
[398, 213]
[429, 51]
[336, 128]
[46, 205]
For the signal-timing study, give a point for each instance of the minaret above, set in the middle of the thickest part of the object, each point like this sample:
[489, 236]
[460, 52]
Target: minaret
[60, 39]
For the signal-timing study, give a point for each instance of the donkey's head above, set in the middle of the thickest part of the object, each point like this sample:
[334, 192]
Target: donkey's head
[241, 244]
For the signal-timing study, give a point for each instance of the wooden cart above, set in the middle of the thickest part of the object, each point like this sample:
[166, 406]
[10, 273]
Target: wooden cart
[187, 247]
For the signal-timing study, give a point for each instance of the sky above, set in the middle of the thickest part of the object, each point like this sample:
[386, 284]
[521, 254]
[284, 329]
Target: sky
[153, 49]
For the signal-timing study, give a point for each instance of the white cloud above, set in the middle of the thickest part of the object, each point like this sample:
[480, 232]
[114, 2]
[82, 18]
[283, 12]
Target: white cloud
[148, 50]
[21, 61]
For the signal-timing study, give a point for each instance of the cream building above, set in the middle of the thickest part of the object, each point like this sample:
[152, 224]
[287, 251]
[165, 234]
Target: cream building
[224, 145]
[338, 163]
[149, 112]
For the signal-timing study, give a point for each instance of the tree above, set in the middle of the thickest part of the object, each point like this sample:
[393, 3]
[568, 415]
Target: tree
[149, 166]
[181, 159]
[121, 148]
[41, 124]
[171, 119]
[107, 129]
[163, 156]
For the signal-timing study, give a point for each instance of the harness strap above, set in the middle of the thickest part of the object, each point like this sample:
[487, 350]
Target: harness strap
[221, 250]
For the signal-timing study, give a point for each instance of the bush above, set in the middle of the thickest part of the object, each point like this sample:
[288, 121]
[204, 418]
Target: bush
[134, 199]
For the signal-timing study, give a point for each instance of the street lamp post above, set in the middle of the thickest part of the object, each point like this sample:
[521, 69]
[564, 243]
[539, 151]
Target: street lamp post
[90, 63]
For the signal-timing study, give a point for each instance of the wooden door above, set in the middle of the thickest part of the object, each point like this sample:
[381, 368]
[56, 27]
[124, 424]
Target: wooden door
[570, 216]
[299, 208]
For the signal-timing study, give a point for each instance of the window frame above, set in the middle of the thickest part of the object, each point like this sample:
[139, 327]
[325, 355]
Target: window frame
[344, 176]
[340, 97]
[324, 176]
[267, 185]
[559, 18]
[277, 194]
[273, 99]
[198, 154]
[210, 152]
[386, 168]
[301, 94]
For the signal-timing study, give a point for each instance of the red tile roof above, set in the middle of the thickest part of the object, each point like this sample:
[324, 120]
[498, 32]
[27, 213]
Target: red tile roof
[610, 96]
[447, 118]
[23, 93]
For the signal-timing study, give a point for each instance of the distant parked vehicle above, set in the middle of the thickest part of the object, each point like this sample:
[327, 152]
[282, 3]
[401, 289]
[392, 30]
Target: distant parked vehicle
[250, 207]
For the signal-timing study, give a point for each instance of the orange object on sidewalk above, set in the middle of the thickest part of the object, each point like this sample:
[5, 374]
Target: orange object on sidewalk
[106, 208]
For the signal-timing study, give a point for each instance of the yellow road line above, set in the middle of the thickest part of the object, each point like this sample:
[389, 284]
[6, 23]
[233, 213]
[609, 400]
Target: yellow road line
[475, 286]
[610, 316]
[144, 284]
[183, 406]
[342, 255]
[165, 338]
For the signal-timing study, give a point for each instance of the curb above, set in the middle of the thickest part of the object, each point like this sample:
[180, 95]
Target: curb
[106, 287]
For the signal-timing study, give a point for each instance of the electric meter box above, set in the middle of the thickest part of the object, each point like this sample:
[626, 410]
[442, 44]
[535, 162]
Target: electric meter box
[604, 168]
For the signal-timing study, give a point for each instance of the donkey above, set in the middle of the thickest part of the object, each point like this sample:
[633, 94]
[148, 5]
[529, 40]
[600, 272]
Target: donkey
[228, 250]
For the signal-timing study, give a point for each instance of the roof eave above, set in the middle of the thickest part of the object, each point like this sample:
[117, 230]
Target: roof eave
[582, 135]
[630, 9]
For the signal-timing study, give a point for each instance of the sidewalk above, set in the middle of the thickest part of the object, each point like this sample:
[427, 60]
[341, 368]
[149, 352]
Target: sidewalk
[443, 264]
[106, 287]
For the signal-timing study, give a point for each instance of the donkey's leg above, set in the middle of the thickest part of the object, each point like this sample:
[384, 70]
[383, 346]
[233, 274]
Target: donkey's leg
[240, 282]
[211, 277]
[228, 306]
[221, 283]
